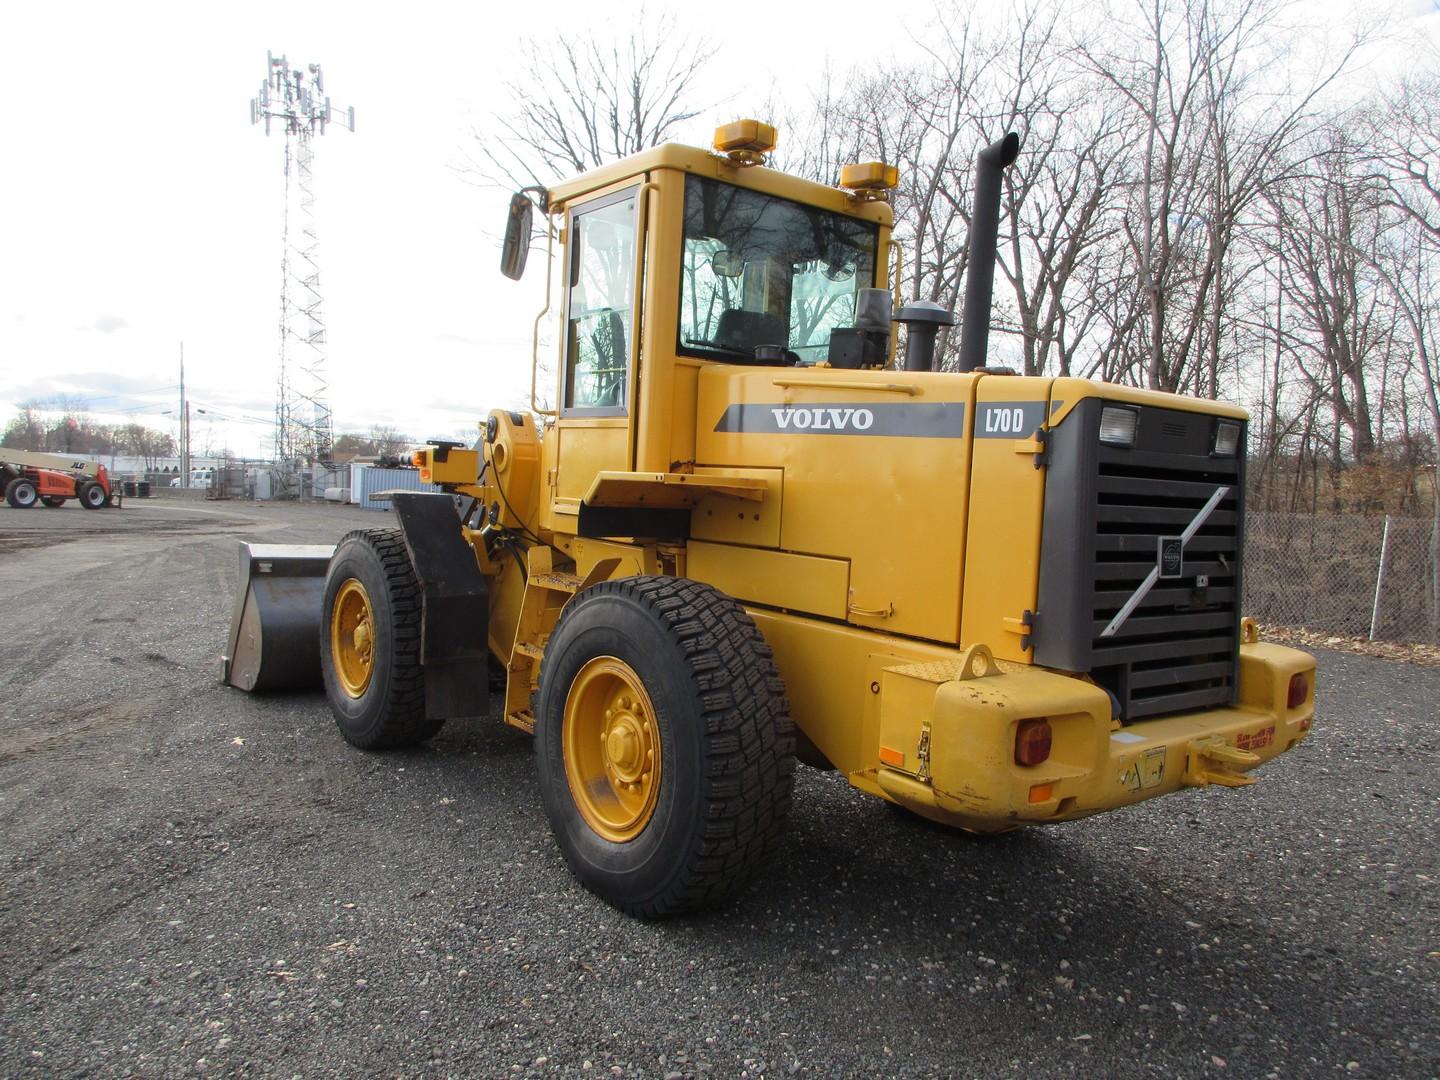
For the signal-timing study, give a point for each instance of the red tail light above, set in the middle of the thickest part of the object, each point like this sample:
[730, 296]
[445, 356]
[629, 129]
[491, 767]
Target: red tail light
[1299, 690]
[1032, 742]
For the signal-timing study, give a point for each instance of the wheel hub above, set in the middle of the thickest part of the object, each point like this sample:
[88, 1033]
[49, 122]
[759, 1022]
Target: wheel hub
[352, 638]
[612, 749]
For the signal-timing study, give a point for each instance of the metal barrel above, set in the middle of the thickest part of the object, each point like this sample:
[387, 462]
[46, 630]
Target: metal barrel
[274, 639]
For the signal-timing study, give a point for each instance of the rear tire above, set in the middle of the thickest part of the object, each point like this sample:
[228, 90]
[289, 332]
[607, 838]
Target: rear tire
[378, 704]
[21, 493]
[674, 673]
[53, 500]
[91, 495]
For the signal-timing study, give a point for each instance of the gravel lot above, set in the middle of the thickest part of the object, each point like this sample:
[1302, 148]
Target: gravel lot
[200, 881]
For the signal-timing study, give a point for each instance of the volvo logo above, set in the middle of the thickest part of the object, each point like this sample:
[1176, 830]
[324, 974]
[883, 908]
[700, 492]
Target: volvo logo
[843, 419]
[1171, 556]
[875, 419]
[1169, 561]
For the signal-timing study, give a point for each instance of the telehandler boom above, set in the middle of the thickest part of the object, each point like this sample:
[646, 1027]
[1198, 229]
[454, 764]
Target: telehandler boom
[749, 533]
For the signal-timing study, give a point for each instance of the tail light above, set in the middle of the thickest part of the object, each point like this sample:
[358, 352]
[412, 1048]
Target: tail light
[1299, 690]
[1032, 742]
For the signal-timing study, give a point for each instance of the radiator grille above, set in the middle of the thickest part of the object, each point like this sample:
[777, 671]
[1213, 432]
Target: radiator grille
[1177, 648]
[1107, 509]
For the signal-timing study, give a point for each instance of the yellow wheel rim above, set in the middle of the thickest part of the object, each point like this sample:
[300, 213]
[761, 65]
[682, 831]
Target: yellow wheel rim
[612, 749]
[352, 637]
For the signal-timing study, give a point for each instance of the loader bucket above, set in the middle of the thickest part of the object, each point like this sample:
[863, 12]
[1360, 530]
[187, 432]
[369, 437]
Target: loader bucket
[275, 631]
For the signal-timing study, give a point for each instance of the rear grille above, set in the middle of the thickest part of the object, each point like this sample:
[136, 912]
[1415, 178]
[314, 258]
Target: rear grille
[1106, 510]
[1176, 649]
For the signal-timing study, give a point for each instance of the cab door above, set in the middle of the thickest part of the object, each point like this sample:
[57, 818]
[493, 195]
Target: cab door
[601, 347]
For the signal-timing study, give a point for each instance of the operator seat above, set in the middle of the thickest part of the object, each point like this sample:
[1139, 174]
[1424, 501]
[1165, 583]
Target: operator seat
[740, 329]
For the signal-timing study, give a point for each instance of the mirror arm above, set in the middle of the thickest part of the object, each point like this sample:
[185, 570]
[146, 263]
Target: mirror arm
[541, 199]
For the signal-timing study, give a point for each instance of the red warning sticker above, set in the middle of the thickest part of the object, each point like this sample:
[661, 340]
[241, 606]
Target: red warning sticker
[1248, 741]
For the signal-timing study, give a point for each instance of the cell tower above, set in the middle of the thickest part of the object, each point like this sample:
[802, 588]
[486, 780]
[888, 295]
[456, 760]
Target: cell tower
[303, 430]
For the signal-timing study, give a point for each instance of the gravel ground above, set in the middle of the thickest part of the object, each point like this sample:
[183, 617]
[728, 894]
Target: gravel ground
[200, 881]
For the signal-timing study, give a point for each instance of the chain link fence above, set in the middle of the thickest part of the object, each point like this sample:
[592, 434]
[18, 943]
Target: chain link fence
[1343, 574]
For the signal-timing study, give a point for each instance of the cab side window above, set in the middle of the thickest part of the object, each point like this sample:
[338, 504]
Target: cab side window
[600, 308]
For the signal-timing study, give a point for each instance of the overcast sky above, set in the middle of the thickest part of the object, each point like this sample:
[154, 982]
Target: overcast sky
[141, 209]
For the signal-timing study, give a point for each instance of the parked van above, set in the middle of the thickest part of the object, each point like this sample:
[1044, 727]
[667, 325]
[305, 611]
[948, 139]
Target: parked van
[199, 478]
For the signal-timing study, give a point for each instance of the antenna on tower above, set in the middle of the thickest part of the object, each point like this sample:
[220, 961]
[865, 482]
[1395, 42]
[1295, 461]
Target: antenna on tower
[303, 429]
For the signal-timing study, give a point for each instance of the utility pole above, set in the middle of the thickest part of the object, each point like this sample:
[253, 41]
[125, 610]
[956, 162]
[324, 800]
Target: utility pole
[303, 428]
[184, 425]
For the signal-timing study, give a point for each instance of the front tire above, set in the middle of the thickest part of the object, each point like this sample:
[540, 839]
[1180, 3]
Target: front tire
[92, 496]
[664, 742]
[370, 643]
[21, 493]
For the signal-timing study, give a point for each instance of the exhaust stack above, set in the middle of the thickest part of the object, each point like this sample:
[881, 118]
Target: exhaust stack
[990, 164]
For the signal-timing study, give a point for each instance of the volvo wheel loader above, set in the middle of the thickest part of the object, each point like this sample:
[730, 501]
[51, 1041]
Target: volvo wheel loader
[752, 532]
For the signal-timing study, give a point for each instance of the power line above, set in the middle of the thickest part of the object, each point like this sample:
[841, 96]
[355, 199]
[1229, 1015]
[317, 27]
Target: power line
[64, 400]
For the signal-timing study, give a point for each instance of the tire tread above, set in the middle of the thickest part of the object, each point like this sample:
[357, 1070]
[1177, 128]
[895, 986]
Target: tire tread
[405, 722]
[748, 741]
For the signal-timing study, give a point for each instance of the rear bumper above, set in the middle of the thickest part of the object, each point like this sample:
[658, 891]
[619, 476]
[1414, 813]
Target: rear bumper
[963, 771]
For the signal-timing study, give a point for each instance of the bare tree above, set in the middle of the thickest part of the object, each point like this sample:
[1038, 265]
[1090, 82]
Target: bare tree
[1211, 128]
[1339, 327]
[1059, 194]
[389, 441]
[26, 430]
[589, 100]
[146, 443]
[1405, 135]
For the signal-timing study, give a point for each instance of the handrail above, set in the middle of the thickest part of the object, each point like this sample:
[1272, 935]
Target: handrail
[642, 208]
[909, 389]
[535, 339]
[898, 266]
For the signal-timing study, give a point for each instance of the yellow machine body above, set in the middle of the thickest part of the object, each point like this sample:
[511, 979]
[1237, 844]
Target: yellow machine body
[891, 532]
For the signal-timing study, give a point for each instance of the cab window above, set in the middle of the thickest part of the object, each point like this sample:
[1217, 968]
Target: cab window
[760, 270]
[600, 307]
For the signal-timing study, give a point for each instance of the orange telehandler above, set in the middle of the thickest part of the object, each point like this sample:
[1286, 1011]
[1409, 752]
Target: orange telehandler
[30, 478]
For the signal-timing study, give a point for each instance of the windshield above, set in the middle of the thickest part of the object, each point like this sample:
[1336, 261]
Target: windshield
[760, 270]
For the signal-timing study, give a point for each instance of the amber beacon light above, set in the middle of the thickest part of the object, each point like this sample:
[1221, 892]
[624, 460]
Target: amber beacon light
[745, 142]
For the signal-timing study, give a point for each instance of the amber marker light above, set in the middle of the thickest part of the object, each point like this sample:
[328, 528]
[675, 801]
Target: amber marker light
[1299, 690]
[890, 756]
[1032, 741]
[1041, 793]
[869, 179]
[745, 142]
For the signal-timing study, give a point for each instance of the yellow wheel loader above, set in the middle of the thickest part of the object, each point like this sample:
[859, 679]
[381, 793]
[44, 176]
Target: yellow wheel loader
[752, 532]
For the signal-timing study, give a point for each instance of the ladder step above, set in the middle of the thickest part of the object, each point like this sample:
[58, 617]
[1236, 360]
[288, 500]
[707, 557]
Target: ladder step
[557, 581]
[522, 720]
[525, 648]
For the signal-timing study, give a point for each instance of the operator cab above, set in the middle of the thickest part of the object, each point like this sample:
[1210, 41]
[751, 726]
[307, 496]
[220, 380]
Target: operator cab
[677, 260]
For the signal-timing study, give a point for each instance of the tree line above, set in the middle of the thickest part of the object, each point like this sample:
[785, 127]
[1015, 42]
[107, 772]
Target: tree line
[1210, 200]
[1202, 206]
[65, 430]
[62, 428]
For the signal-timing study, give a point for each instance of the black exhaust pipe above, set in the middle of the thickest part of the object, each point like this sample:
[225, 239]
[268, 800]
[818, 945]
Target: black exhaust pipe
[990, 164]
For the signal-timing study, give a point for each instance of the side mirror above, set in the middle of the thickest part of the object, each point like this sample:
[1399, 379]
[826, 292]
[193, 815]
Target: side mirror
[517, 236]
[727, 264]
